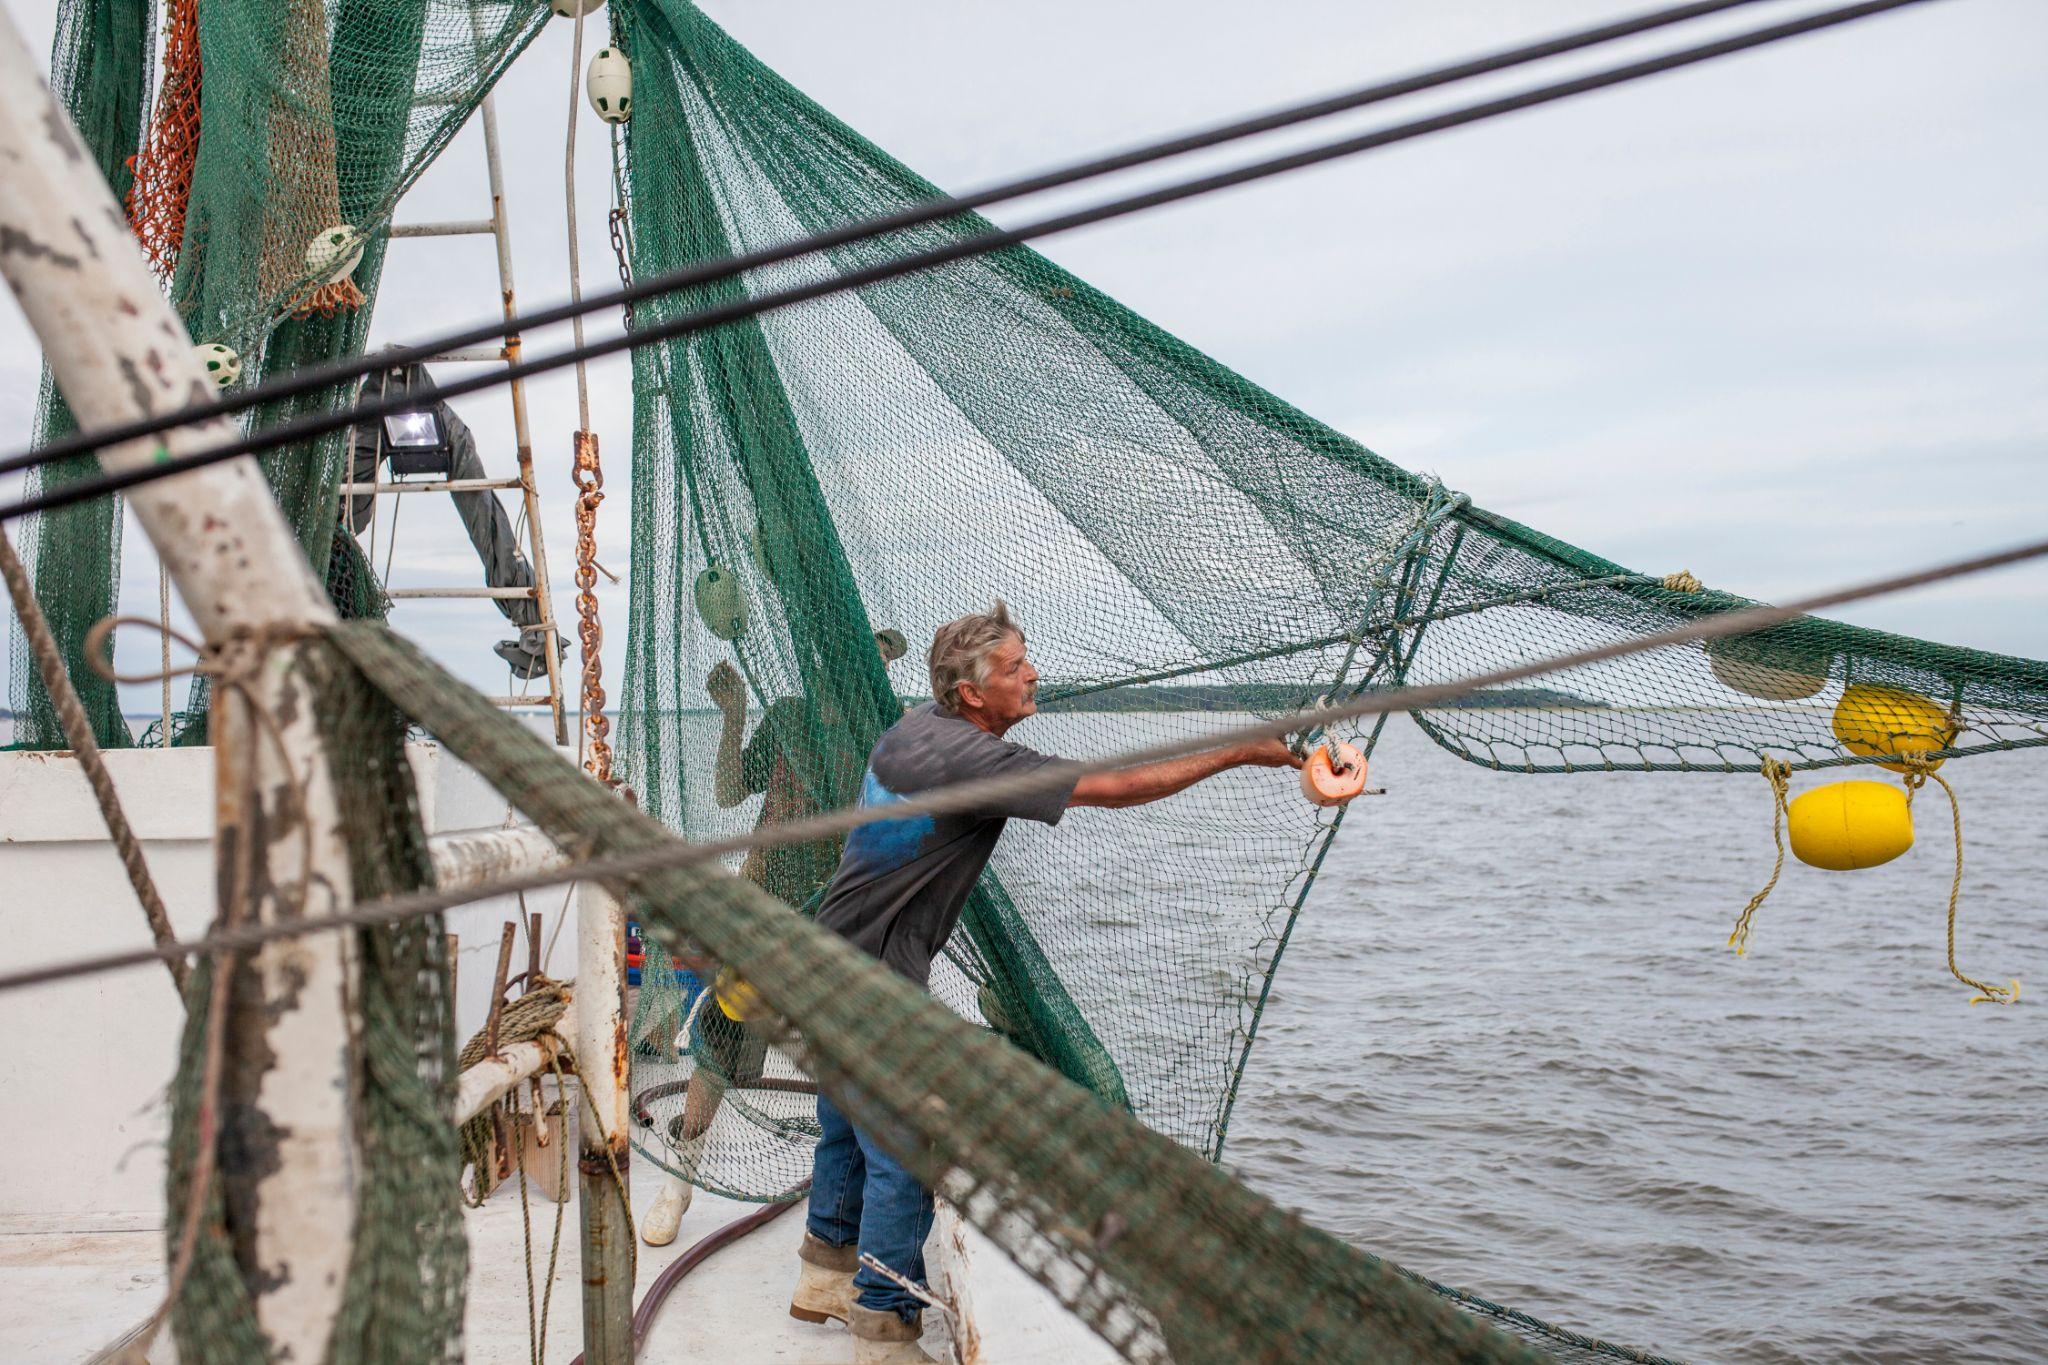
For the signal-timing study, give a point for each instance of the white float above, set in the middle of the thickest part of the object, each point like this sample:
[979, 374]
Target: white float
[334, 253]
[223, 365]
[609, 83]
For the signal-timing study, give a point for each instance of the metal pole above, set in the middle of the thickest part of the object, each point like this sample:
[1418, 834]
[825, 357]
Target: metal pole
[118, 353]
[522, 434]
[601, 1060]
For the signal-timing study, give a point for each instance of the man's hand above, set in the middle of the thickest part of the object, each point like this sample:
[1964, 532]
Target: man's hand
[727, 688]
[1266, 753]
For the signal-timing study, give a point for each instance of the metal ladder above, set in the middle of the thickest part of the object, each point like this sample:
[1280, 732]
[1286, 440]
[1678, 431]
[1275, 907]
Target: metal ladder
[532, 541]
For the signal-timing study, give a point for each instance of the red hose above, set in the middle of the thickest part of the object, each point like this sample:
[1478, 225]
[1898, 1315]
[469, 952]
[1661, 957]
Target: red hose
[699, 1252]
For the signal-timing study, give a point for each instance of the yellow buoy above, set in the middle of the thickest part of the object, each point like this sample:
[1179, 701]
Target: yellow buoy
[1849, 825]
[737, 1000]
[1884, 720]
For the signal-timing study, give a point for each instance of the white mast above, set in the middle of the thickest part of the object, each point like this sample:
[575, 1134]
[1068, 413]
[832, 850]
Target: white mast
[118, 352]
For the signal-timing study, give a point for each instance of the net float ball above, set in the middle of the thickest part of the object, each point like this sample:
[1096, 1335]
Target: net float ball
[1333, 774]
[575, 9]
[1757, 670]
[737, 1000]
[609, 83]
[1885, 720]
[1845, 826]
[222, 365]
[334, 253]
[721, 603]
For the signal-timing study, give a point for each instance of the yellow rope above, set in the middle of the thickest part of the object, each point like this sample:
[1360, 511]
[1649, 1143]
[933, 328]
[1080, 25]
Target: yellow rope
[1682, 581]
[1778, 773]
[1918, 769]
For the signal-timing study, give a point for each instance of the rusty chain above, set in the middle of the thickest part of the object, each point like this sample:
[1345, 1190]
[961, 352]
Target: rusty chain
[589, 478]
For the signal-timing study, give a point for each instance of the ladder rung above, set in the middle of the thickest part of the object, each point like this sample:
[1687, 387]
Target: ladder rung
[475, 355]
[463, 228]
[351, 490]
[397, 594]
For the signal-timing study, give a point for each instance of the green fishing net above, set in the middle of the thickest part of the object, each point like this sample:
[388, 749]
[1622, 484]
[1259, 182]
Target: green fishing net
[100, 70]
[311, 116]
[1177, 542]
[1132, 1231]
[403, 1299]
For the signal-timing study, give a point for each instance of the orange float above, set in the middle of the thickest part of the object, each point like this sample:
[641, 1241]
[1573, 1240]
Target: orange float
[1333, 774]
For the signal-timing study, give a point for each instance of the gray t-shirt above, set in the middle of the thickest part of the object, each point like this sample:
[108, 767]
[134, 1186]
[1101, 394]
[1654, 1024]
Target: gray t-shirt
[901, 883]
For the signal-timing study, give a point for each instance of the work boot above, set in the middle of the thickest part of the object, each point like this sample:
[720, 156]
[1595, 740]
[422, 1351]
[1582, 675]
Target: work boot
[824, 1281]
[658, 1228]
[883, 1338]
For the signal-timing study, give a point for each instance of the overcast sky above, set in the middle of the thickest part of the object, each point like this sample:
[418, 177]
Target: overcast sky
[1782, 320]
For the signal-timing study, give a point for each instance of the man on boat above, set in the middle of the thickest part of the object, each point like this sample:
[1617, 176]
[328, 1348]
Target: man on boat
[897, 894]
[780, 765]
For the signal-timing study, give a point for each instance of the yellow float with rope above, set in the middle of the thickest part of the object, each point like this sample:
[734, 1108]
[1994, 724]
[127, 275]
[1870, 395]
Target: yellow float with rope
[1870, 721]
[1846, 826]
[1849, 826]
[737, 1000]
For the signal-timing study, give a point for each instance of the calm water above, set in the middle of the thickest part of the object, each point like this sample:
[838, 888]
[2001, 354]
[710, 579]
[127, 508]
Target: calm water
[1510, 1049]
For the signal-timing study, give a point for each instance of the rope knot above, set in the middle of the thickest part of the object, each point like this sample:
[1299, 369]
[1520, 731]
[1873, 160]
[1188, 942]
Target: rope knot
[231, 661]
[1919, 767]
[1684, 581]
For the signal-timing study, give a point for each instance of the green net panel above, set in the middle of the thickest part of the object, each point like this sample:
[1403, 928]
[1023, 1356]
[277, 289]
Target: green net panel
[313, 115]
[1175, 539]
[366, 93]
[403, 1299]
[100, 69]
[1131, 1230]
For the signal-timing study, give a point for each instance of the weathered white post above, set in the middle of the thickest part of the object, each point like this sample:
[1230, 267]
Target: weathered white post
[601, 1061]
[118, 353]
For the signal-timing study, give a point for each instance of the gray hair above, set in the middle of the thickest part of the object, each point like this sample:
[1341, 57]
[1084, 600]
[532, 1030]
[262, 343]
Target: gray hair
[961, 649]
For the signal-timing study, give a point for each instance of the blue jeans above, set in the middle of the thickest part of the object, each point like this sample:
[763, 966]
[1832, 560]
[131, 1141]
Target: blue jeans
[859, 1193]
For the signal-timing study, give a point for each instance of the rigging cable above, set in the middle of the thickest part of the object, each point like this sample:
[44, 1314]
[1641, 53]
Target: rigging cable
[997, 239]
[311, 379]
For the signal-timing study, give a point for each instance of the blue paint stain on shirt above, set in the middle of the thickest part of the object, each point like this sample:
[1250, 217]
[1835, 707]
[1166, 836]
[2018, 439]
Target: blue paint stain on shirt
[889, 844]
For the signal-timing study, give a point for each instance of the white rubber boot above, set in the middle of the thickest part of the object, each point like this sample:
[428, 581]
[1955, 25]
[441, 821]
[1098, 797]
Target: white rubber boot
[659, 1227]
[885, 1339]
[824, 1281]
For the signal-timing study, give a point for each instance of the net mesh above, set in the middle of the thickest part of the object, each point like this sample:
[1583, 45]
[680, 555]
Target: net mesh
[814, 488]
[1129, 1229]
[1176, 541]
[403, 1297]
[280, 124]
[100, 70]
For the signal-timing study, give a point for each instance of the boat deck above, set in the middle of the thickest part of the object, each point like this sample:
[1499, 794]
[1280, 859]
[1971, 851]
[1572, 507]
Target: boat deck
[67, 1292]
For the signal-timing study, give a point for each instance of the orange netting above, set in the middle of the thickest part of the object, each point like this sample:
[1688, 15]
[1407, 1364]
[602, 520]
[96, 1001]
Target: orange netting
[163, 169]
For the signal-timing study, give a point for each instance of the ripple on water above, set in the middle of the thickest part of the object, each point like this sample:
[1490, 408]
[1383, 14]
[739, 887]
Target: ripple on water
[1511, 1050]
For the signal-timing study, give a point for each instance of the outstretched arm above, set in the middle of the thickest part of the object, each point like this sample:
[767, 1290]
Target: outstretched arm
[1153, 781]
[730, 693]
